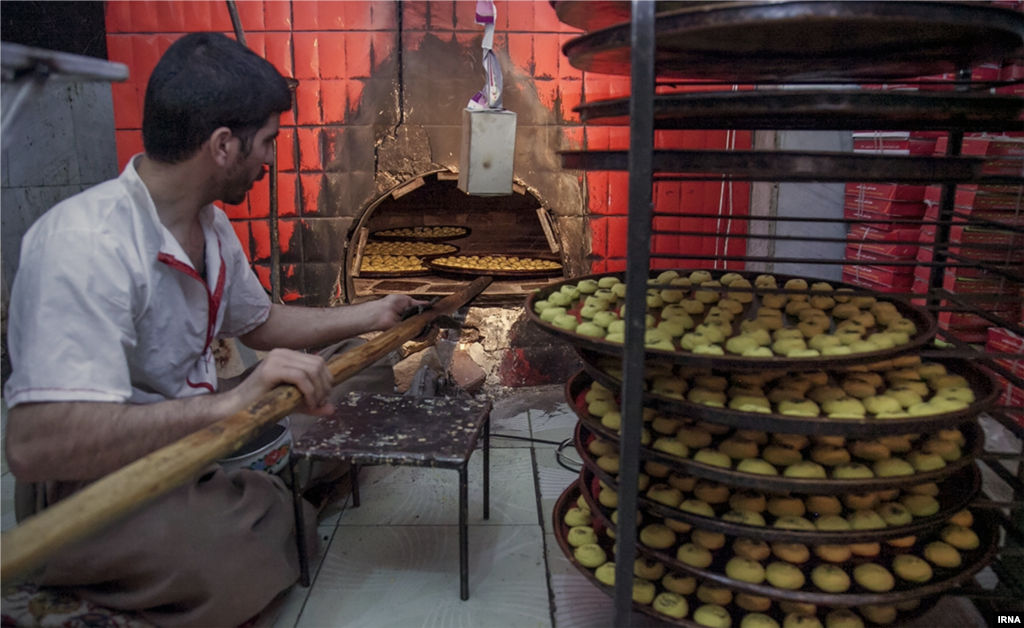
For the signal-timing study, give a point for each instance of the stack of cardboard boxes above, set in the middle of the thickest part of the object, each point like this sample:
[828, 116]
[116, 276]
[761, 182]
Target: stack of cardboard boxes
[989, 208]
[876, 243]
[1005, 341]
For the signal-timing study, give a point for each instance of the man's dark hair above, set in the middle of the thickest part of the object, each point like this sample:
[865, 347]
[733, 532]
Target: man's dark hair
[203, 82]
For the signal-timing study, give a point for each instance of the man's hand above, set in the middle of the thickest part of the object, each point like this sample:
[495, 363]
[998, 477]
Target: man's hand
[306, 372]
[388, 311]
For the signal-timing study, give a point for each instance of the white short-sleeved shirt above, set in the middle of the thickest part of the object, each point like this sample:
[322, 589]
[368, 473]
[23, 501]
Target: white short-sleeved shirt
[106, 305]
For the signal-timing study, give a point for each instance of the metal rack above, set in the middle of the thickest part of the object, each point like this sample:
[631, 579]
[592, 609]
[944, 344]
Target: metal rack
[646, 58]
[28, 69]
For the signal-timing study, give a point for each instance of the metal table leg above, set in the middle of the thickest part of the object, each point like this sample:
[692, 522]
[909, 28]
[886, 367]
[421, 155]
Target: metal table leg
[354, 477]
[487, 467]
[463, 533]
[300, 525]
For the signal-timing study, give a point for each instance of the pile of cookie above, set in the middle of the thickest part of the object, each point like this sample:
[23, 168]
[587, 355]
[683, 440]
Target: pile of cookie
[726, 536]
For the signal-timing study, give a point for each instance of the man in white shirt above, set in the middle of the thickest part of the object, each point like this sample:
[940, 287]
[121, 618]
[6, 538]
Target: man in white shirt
[121, 291]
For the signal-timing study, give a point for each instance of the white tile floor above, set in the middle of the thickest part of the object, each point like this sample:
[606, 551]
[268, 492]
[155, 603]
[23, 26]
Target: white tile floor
[394, 560]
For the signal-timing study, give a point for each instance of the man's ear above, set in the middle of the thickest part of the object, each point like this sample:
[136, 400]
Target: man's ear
[223, 145]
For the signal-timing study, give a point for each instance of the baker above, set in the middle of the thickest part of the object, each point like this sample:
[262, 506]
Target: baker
[120, 293]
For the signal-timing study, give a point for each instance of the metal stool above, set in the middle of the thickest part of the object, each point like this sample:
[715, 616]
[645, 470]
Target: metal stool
[436, 432]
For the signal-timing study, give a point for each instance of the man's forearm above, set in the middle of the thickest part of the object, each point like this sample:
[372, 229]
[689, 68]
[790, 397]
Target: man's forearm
[295, 327]
[86, 440]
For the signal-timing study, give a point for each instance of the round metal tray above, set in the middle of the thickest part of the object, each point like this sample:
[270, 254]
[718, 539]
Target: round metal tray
[952, 494]
[817, 109]
[748, 42]
[925, 323]
[568, 500]
[377, 235]
[795, 166]
[363, 274]
[984, 386]
[778, 483]
[505, 274]
[944, 579]
[594, 15]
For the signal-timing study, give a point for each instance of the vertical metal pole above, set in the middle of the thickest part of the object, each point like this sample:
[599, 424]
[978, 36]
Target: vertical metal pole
[300, 524]
[638, 255]
[275, 244]
[236, 22]
[946, 200]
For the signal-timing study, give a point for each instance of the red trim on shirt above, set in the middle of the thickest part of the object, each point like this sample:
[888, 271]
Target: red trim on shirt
[213, 299]
[205, 385]
[177, 264]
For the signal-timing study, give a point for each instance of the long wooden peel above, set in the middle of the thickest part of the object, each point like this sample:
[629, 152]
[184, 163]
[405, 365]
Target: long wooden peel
[107, 500]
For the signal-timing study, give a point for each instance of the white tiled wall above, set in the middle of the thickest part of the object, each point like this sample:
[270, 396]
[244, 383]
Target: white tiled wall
[62, 144]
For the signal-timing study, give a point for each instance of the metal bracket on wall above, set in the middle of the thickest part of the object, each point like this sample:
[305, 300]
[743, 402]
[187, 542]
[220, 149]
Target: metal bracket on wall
[549, 229]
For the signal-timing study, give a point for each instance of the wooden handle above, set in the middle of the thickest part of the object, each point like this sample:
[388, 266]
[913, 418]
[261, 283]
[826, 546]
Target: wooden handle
[105, 501]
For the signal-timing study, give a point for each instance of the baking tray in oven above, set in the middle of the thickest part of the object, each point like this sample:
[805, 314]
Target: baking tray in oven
[925, 324]
[985, 389]
[446, 269]
[422, 233]
[762, 42]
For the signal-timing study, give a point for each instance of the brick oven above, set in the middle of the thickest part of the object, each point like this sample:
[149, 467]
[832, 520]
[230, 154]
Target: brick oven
[374, 136]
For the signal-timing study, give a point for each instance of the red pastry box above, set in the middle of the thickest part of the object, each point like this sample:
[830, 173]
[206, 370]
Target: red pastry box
[896, 244]
[958, 320]
[888, 191]
[963, 214]
[984, 245]
[892, 143]
[1005, 341]
[989, 284]
[878, 278]
[1006, 153]
[869, 218]
[896, 209]
[977, 200]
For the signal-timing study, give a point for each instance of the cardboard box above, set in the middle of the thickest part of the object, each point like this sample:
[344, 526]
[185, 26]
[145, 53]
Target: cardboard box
[986, 72]
[960, 320]
[1004, 341]
[973, 335]
[888, 191]
[977, 200]
[878, 278]
[896, 244]
[868, 218]
[1001, 146]
[896, 209]
[990, 284]
[1012, 71]
[892, 146]
[967, 214]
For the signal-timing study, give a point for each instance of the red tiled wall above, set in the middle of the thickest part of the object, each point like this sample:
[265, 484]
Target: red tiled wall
[335, 48]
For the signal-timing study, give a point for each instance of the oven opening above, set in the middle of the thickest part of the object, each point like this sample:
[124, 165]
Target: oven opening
[514, 226]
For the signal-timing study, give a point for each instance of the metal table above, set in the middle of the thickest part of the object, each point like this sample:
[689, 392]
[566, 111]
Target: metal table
[435, 432]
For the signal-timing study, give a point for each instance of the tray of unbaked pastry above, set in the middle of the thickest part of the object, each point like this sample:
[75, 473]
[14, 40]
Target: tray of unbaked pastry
[400, 258]
[836, 574]
[778, 462]
[736, 320]
[682, 599]
[897, 396]
[422, 234]
[787, 517]
[496, 265]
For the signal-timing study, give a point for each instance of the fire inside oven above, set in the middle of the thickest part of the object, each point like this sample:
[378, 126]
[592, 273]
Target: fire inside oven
[513, 226]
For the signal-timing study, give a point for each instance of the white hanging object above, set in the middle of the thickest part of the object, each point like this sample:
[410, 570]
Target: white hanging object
[488, 130]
